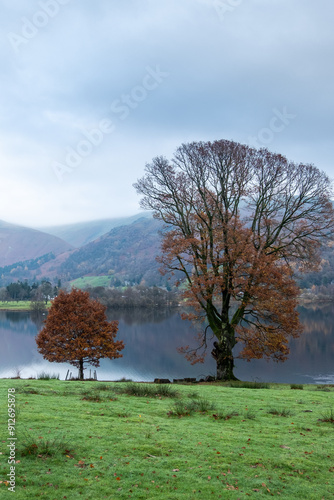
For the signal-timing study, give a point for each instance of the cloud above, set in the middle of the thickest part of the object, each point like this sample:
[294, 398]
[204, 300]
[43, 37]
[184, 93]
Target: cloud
[230, 65]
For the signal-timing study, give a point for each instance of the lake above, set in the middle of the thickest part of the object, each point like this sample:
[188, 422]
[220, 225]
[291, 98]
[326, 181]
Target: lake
[151, 339]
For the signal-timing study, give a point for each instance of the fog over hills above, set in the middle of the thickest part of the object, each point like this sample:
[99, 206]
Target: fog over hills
[19, 243]
[123, 250]
[127, 252]
[81, 233]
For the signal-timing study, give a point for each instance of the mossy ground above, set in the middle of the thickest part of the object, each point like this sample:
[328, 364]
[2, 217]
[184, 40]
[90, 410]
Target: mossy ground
[87, 440]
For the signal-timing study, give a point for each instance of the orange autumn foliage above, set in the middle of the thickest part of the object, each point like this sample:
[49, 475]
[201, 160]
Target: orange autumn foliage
[258, 286]
[77, 331]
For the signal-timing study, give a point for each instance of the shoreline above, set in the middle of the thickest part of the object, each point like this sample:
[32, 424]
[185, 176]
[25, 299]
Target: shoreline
[25, 306]
[222, 383]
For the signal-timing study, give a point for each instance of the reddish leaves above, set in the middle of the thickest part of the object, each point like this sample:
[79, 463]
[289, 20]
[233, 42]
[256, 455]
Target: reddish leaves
[77, 331]
[238, 221]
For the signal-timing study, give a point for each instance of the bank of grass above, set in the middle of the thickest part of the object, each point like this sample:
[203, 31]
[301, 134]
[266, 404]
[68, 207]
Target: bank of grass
[21, 305]
[93, 440]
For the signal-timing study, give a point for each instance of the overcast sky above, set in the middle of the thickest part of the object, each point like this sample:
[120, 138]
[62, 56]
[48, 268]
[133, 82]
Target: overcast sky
[93, 90]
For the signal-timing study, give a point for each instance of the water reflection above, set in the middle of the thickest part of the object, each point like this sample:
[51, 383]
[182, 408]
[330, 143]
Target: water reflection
[151, 338]
[140, 315]
[311, 357]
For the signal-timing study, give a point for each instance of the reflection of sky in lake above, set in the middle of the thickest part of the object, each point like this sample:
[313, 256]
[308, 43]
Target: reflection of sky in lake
[151, 339]
[311, 358]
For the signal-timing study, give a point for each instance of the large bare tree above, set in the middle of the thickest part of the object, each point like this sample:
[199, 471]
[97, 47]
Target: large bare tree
[238, 222]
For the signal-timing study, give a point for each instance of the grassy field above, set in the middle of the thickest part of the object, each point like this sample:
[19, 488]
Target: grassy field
[22, 305]
[97, 440]
[91, 281]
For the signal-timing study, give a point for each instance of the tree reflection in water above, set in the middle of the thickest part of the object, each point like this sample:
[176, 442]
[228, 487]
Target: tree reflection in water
[151, 338]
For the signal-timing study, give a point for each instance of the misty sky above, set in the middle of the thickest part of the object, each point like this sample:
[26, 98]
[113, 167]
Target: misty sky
[93, 90]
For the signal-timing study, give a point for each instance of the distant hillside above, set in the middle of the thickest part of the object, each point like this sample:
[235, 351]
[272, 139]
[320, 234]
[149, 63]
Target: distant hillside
[81, 233]
[18, 243]
[127, 254]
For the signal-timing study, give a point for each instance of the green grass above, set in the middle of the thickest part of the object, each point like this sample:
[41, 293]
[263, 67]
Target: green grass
[249, 385]
[146, 390]
[47, 376]
[88, 440]
[299, 387]
[92, 281]
[22, 305]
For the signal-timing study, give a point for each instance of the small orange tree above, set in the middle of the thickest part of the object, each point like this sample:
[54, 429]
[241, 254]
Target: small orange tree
[77, 331]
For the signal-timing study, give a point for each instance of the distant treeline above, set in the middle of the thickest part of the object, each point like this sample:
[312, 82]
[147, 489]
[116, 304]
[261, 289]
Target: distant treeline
[122, 298]
[21, 290]
[136, 296]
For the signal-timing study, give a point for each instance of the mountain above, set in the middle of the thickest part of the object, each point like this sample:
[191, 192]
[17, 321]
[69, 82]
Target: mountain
[19, 243]
[127, 254]
[81, 233]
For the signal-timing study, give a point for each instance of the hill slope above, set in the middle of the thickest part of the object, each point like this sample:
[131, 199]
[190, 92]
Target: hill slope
[18, 243]
[127, 254]
[81, 233]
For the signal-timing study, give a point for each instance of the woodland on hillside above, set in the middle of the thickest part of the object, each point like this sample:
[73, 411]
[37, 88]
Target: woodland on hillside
[127, 255]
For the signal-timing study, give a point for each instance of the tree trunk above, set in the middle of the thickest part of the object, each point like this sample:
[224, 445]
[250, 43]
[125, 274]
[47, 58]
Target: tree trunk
[222, 348]
[81, 370]
[223, 355]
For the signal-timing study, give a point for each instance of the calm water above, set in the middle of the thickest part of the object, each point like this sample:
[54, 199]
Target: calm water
[151, 339]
